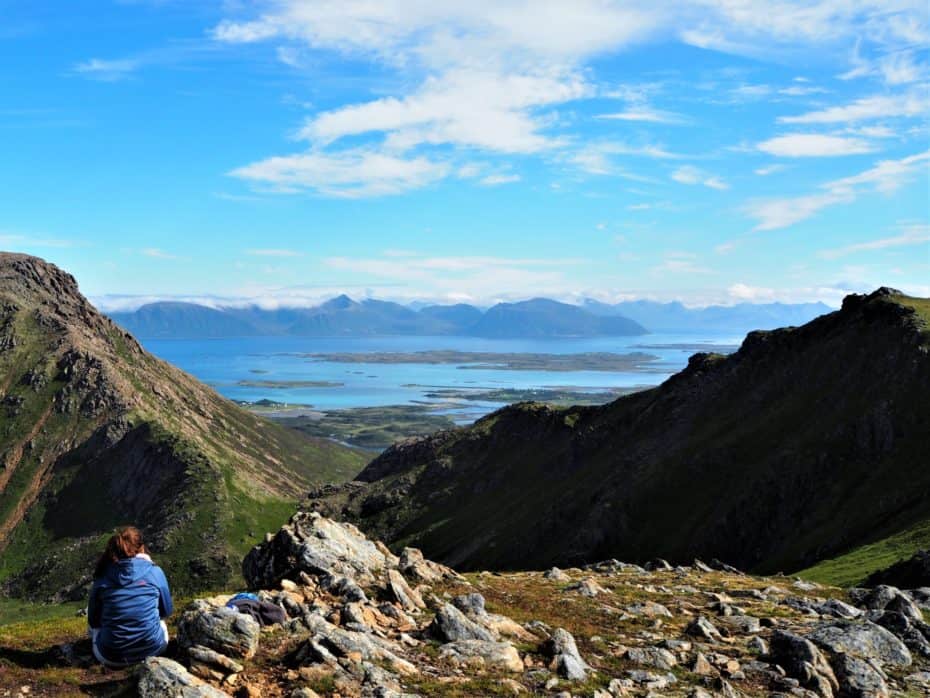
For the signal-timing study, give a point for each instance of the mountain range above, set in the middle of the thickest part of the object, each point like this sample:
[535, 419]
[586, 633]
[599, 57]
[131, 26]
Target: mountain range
[805, 444]
[96, 432]
[535, 318]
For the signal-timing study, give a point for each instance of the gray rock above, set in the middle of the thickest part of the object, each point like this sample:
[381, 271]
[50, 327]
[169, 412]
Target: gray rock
[863, 639]
[858, 678]
[493, 655]
[566, 661]
[912, 633]
[554, 574]
[210, 664]
[887, 598]
[702, 628]
[451, 625]
[471, 605]
[648, 680]
[657, 565]
[415, 566]
[650, 609]
[317, 546]
[218, 628]
[758, 645]
[801, 660]
[160, 677]
[407, 597]
[837, 609]
[746, 625]
[652, 656]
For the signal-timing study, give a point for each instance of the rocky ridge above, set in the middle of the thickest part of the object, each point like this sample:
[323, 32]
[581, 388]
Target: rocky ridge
[362, 621]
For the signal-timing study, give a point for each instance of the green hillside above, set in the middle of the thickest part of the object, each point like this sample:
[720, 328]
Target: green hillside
[95, 432]
[806, 444]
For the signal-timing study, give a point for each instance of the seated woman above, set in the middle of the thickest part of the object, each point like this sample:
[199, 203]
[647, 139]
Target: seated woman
[128, 602]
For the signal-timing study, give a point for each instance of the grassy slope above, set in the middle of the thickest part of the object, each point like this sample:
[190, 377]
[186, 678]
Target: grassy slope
[223, 476]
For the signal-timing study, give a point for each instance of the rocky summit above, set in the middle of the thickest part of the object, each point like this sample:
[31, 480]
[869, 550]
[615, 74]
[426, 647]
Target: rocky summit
[804, 445]
[96, 432]
[359, 620]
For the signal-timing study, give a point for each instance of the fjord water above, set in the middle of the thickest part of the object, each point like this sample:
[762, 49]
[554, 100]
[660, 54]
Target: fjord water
[226, 363]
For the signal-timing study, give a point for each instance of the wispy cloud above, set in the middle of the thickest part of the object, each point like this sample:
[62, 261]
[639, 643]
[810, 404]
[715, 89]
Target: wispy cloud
[19, 241]
[497, 179]
[866, 108]
[107, 70]
[688, 174]
[801, 145]
[885, 177]
[348, 174]
[158, 253]
[914, 234]
[646, 114]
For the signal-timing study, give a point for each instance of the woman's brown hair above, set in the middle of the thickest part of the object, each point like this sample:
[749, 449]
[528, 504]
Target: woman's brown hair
[125, 543]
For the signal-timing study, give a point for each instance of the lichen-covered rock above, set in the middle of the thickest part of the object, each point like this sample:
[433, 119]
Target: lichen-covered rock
[565, 659]
[801, 660]
[493, 655]
[888, 598]
[317, 546]
[451, 625]
[407, 597]
[160, 677]
[652, 656]
[858, 678]
[218, 628]
[862, 639]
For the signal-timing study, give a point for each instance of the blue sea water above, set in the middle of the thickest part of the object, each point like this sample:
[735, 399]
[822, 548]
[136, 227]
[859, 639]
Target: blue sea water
[223, 363]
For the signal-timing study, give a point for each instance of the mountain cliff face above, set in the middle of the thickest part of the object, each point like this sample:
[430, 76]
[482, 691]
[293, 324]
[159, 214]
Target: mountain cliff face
[95, 432]
[803, 444]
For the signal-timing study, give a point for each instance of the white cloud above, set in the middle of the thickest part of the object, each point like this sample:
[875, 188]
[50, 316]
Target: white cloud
[273, 252]
[799, 145]
[688, 174]
[489, 74]
[497, 179]
[107, 70]
[475, 108]
[874, 107]
[911, 235]
[647, 114]
[884, 177]
[348, 173]
[769, 169]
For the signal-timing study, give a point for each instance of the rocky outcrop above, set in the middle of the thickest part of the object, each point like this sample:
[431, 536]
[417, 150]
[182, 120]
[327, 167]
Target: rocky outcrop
[361, 621]
[164, 678]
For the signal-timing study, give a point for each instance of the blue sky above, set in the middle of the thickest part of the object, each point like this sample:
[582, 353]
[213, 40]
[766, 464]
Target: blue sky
[284, 151]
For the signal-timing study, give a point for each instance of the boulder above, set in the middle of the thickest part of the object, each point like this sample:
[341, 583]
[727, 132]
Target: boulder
[702, 628]
[652, 656]
[451, 625]
[493, 655]
[565, 659]
[317, 546]
[210, 664]
[218, 628]
[862, 639]
[554, 574]
[657, 565]
[587, 587]
[913, 633]
[858, 678]
[888, 598]
[415, 566]
[801, 660]
[160, 677]
[401, 591]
